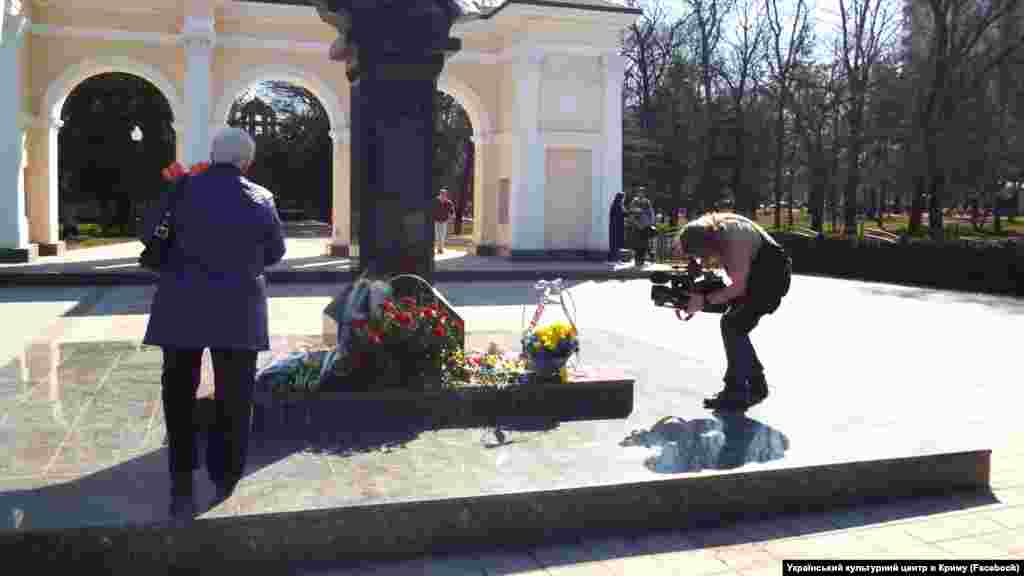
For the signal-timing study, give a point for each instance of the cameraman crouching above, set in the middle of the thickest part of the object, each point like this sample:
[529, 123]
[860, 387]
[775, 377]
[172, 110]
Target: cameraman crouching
[760, 273]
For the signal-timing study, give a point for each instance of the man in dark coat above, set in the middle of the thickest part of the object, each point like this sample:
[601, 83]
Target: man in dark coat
[212, 293]
[616, 227]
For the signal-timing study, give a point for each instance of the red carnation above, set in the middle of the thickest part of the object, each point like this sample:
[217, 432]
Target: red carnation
[439, 330]
[408, 301]
[199, 168]
[174, 171]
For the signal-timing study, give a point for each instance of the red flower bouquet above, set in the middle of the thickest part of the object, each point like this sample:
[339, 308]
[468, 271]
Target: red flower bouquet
[402, 344]
[175, 171]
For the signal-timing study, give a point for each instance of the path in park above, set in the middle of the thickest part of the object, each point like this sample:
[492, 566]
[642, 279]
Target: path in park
[839, 355]
[302, 255]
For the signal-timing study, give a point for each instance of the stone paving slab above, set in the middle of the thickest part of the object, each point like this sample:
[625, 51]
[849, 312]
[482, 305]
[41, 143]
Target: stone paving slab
[960, 409]
[107, 468]
[304, 262]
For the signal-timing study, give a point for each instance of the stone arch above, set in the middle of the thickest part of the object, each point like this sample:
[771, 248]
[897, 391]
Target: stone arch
[484, 200]
[324, 93]
[470, 102]
[57, 93]
[59, 90]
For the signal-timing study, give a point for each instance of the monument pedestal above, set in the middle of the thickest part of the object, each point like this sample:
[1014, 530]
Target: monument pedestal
[52, 249]
[341, 250]
[19, 255]
[394, 53]
[392, 164]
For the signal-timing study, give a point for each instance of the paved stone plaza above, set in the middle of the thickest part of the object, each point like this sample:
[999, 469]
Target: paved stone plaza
[856, 370]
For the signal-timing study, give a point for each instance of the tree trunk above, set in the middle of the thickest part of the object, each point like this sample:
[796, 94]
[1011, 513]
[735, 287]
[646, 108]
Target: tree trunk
[882, 203]
[789, 192]
[739, 190]
[779, 140]
[817, 207]
[853, 176]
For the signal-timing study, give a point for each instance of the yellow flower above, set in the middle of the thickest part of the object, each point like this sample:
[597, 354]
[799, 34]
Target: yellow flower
[564, 374]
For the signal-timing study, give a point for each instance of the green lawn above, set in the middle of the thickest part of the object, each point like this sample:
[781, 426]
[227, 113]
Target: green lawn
[898, 224]
[78, 243]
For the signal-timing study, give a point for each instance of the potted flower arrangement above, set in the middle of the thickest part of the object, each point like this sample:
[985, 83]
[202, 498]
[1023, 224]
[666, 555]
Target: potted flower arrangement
[549, 348]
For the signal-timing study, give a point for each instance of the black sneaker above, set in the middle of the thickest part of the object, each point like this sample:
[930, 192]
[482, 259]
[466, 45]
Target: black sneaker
[183, 507]
[224, 490]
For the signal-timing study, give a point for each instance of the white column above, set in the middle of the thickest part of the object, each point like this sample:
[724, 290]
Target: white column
[13, 219]
[526, 205]
[341, 195]
[179, 141]
[485, 199]
[613, 65]
[198, 36]
[43, 209]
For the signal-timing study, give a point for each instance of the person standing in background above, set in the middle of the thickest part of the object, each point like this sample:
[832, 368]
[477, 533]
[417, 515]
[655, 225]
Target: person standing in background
[443, 212]
[617, 227]
[642, 214]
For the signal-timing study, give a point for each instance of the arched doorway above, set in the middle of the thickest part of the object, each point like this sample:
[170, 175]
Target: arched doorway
[117, 134]
[476, 174]
[294, 149]
[454, 159]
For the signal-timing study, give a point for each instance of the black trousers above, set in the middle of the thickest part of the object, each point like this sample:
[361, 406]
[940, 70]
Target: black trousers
[235, 377]
[767, 284]
[641, 240]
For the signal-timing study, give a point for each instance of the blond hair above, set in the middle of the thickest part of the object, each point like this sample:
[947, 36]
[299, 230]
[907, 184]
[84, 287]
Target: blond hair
[697, 236]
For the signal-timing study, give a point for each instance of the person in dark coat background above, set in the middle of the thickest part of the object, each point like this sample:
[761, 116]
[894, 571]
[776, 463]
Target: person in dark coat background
[617, 227]
[212, 293]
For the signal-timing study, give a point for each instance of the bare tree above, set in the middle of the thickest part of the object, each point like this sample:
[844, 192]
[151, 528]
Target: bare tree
[886, 131]
[817, 93]
[781, 63]
[648, 46]
[742, 73]
[869, 29]
[961, 48]
[678, 130]
[705, 19]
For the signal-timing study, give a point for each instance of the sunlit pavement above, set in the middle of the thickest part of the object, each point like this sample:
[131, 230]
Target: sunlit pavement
[900, 364]
[303, 255]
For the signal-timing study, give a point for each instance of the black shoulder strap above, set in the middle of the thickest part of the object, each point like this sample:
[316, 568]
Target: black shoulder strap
[179, 190]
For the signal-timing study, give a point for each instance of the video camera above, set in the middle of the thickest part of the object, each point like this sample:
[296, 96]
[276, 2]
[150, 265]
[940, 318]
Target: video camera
[673, 289]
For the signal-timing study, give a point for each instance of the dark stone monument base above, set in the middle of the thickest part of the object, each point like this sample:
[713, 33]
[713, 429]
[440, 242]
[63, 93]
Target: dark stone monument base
[576, 255]
[19, 255]
[601, 394]
[54, 249]
[487, 250]
[339, 250]
[409, 529]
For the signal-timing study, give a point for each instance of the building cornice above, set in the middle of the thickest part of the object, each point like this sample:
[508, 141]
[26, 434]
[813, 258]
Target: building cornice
[112, 34]
[302, 46]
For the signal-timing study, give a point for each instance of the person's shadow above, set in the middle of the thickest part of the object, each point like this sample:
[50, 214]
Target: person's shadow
[725, 442]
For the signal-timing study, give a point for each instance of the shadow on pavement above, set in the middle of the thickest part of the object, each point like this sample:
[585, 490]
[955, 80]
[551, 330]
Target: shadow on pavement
[724, 442]
[1004, 304]
[136, 491]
